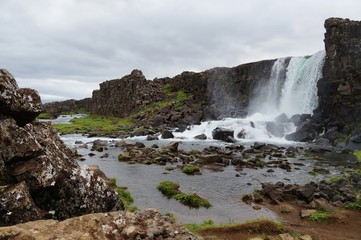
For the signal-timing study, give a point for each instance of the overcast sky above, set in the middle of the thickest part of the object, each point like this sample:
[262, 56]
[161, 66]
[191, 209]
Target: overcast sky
[65, 48]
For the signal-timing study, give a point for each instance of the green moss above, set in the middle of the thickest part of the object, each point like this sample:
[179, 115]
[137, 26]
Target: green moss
[168, 188]
[320, 216]
[169, 168]
[124, 195]
[196, 227]
[192, 200]
[94, 123]
[190, 169]
[45, 116]
[170, 215]
[357, 153]
[171, 190]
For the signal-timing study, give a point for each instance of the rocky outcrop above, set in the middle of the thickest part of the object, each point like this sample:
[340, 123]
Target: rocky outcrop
[56, 108]
[39, 175]
[121, 97]
[340, 90]
[23, 104]
[146, 224]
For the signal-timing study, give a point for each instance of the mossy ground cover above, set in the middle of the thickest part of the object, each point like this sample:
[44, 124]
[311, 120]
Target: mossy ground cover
[124, 195]
[94, 123]
[193, 200]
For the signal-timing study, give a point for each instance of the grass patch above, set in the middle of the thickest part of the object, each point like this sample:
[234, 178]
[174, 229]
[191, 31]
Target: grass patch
[168, 188]
[192, 200]
[124, 195]
[193, 228]
[190, 169]
[171, 190]
[45, 115]
[320, 216]
[94, 123]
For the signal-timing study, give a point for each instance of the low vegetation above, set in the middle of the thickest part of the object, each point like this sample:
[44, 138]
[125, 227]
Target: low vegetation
[124, 195]
[320, 216]
[193, 200]
[190, 169]
[94, 123]
[357, 153]
[45, 115]
[168, 188]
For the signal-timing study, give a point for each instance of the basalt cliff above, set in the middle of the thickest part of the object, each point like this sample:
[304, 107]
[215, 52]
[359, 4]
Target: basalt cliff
[226, 92]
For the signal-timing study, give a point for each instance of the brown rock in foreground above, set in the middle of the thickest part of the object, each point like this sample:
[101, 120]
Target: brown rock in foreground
[146, 224]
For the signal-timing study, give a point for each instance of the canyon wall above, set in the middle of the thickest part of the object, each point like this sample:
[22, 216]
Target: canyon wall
[340, 88]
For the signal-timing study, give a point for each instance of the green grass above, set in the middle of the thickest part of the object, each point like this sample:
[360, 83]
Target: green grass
[45, 115]
[124, 195]
[171, 190]
[168, 188]
[357, 153]
[192, 200]
[193, 228]
[190, 169]
[320, 216]
[94, 123]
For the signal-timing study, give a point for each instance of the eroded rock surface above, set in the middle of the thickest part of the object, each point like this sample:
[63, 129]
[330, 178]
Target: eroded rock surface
[146, 224]
[39, 175]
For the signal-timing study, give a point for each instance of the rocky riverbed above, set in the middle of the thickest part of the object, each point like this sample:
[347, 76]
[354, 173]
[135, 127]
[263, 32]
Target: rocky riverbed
[227, 171]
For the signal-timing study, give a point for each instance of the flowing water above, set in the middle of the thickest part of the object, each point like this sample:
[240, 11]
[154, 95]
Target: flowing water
[291, 88]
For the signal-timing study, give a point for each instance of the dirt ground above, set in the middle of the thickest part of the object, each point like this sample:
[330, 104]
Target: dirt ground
[344, 225]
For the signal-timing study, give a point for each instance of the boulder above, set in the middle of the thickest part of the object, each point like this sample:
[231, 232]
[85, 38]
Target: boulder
[172, 146]
[167, 134]
[282, 118]
[276, 129]
[22, 104]
[305, 132]
[222, 133]
[201, 137]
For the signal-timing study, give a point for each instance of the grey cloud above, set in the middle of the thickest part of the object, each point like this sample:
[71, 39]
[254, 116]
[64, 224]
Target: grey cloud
[92, 41]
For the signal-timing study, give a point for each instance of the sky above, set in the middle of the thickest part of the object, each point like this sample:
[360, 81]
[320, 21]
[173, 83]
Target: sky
[65, 48]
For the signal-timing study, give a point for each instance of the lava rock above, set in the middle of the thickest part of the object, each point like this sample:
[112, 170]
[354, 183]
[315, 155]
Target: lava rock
[167, 134]
[201, 137]
[222, 133]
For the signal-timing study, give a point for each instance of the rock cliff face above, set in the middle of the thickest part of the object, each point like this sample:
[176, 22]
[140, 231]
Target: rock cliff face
[339, 90]
[220, 91]
[56, 108]
[121, 97]
[39, 175]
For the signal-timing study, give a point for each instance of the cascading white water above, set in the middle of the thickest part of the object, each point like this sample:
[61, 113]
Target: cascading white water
[299, 94]
[290, 89]
[267, 95]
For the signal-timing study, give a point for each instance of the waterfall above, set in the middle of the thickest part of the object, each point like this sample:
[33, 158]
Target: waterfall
[291, 89]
